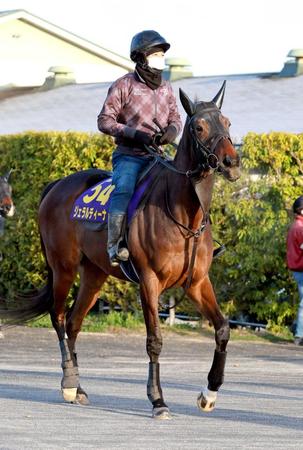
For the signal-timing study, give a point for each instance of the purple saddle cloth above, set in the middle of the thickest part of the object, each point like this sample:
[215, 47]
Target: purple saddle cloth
[93, 204]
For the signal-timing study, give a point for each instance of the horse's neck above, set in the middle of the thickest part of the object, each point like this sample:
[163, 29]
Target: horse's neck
[203, 190]
[188, 199]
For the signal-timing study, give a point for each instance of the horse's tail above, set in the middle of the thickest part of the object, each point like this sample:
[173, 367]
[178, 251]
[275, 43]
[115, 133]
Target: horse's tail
[29, 306]
[26, 307]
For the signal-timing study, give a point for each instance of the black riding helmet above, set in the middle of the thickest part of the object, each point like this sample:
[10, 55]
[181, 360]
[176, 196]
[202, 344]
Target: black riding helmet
[144, 41]
[298, 205]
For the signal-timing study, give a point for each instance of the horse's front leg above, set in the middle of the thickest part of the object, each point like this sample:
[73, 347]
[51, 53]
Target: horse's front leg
[203, 296]
[149, 298]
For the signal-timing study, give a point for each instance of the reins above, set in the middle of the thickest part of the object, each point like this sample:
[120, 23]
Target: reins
[208, 161]
[191, 233]
[162, 159]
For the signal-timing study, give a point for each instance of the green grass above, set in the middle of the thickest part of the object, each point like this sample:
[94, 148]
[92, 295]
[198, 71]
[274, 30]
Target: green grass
[43, 322]
[112, 321]
[119, 321]
[268, 336]
[100, 322]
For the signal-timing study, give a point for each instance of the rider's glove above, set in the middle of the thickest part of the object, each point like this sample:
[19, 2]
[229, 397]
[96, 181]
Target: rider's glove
[169, 135]
[142, 138]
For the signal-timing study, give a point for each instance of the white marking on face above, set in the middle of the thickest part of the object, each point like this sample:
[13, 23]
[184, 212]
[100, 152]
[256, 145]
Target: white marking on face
[11, 211]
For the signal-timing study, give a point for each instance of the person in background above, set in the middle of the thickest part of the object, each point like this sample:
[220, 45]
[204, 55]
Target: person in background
[294, 256]
[134, 103]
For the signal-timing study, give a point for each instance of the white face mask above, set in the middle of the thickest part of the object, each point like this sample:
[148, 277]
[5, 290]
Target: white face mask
[156, 61]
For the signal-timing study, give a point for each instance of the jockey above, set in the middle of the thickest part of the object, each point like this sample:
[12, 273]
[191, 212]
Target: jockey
[132, 104]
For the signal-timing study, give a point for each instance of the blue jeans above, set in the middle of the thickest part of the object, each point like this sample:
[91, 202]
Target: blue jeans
[126, 170]
[298, 276]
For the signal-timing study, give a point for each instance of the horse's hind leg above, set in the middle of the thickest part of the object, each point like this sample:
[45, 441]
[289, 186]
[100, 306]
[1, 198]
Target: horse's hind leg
[203, 296]
[91, 280]
[63, 279]
[149, 299]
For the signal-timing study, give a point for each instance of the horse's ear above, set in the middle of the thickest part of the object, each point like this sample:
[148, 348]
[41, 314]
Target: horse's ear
[7, 175]
[187, 104]
[218, 99]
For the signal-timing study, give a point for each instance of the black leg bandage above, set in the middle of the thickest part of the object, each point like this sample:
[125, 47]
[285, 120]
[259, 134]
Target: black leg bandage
[216, 373]
[154, 391]
[70, 370]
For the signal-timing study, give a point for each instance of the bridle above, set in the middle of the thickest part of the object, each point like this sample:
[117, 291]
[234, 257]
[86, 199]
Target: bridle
[205, 150]
[207, 160]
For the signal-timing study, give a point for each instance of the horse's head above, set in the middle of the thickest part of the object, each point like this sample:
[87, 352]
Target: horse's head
[208, 131]
[7, 208]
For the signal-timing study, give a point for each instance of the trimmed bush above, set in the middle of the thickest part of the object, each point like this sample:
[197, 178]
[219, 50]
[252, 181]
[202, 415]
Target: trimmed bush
[252, 218]
[37, 159]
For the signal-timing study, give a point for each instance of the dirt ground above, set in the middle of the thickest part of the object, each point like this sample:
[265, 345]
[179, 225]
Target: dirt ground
[259, 405]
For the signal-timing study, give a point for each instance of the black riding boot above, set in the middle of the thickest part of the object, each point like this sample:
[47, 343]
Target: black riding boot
[115, 230]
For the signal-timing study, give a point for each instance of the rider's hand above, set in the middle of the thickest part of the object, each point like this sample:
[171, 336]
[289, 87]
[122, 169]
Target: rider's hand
[169, 135]
[142, 138]
[156, 138]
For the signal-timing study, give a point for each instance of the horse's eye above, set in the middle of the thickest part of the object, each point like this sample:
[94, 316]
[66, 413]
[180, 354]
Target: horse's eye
[199, 128]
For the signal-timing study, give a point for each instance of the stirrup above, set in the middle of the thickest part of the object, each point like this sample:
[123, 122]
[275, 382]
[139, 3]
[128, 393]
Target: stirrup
[117, 255]
[219, 251]
[123, 254]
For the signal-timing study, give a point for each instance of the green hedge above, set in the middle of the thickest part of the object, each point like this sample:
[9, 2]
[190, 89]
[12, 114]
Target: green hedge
[250, 217]
[38, 158]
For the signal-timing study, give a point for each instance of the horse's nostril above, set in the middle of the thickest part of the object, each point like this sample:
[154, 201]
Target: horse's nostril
[227, 161]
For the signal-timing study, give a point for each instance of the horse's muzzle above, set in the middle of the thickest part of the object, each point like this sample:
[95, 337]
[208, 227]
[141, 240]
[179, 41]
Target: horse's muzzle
[230, 173]
[7, 210]
[230, 168]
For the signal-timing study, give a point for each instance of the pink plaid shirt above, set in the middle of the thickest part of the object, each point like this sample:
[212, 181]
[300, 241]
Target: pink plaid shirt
[131, 105]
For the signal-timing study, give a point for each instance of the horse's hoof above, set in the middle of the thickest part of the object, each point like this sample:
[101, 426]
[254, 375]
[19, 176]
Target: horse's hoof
[162, 413]
[206, 400]
[82, 397]
[69, 394]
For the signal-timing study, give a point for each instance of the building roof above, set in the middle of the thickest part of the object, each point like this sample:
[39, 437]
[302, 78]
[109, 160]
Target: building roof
[71, 38]
[252, 103]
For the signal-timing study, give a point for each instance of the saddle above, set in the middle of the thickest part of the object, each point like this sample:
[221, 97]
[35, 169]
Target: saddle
[92, 206]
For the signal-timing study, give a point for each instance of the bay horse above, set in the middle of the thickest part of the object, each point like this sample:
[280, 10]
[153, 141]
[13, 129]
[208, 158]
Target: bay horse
[7, 208]
[162, 238]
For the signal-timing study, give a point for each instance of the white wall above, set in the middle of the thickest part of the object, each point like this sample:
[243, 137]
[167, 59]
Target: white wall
[26, 54]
